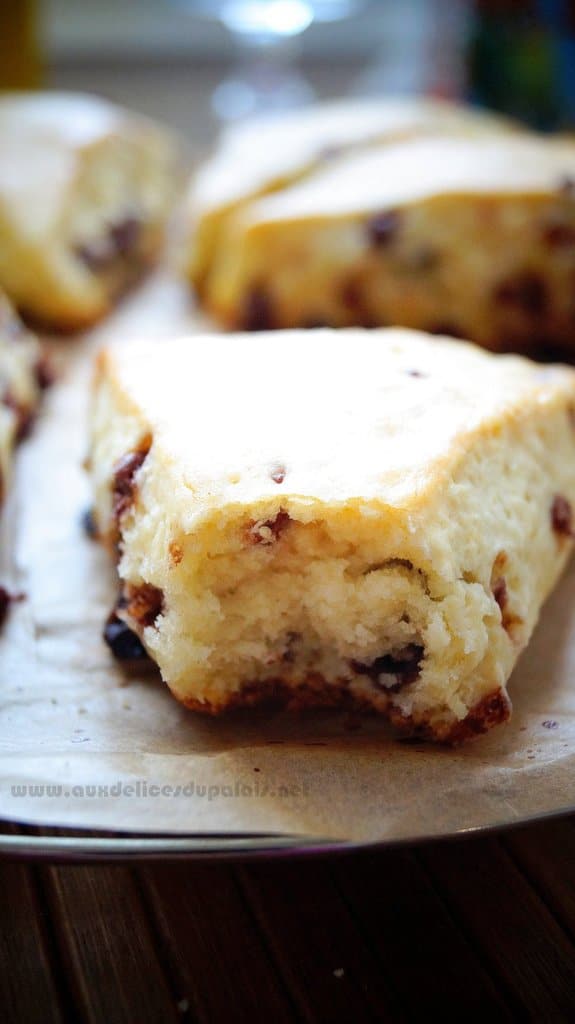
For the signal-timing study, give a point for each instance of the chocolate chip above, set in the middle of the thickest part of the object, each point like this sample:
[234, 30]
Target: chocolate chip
[415, 373]
[288, 655]
[351, 294]
[352, 297]
[268, 531]
[401, 668]
[278, 474]
[383, 228]
[89, 524]
[314, 323]
[562, 516]
[123, 643]
[123, 488]
[559, 235]
[45, 372]
[118, 243]
[258, 311]
[567, 186]
[142, 603]
[125, 235]
[6, 599]
[444, 327]
[550, 723]
[527, 291]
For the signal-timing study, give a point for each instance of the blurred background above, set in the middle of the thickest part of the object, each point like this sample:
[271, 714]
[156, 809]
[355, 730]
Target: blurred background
[202, 63]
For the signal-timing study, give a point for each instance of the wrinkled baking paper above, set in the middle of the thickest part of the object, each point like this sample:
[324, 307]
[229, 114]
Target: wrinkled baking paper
[84, 744]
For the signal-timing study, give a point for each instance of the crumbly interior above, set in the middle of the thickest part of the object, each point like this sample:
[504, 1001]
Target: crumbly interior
[310, 603]
[418, 612]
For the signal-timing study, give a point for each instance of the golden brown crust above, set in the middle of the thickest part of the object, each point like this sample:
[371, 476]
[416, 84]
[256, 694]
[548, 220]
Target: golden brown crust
[316, 693]
[492, 710]
[68, 320]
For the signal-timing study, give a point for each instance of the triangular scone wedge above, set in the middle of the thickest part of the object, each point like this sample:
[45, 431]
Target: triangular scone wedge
[265, 154]
[357, 518]
[472, 236]
[85, 190]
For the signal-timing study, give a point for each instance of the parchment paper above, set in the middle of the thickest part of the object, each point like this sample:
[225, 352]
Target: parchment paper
[72, 720]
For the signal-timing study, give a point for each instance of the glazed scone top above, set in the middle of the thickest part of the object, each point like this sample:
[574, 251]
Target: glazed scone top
[276, 148]
[41, 138]
[419, 169]
[356, 417]
[58, 117]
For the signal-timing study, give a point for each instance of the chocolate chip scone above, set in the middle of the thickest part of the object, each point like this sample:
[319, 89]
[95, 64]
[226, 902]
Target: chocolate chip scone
[269, 153]
[474, 237]
[22, 376]
[85, 188]
[369, 519]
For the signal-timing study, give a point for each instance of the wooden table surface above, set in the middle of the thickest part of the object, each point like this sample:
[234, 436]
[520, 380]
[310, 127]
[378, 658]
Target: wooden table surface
[478, 929]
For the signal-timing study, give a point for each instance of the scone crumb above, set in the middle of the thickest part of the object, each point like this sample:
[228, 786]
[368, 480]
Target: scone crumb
[176, 552]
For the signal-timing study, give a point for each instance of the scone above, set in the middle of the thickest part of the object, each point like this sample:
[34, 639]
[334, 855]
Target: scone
[369, 519]
[22, 376]
[474, 237]
[85, 188]
[266, 154]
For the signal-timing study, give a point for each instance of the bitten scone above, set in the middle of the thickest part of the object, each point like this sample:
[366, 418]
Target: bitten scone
[85, 188]
[22, 376]
[267, 154]
[474, 237]
[361, 518]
